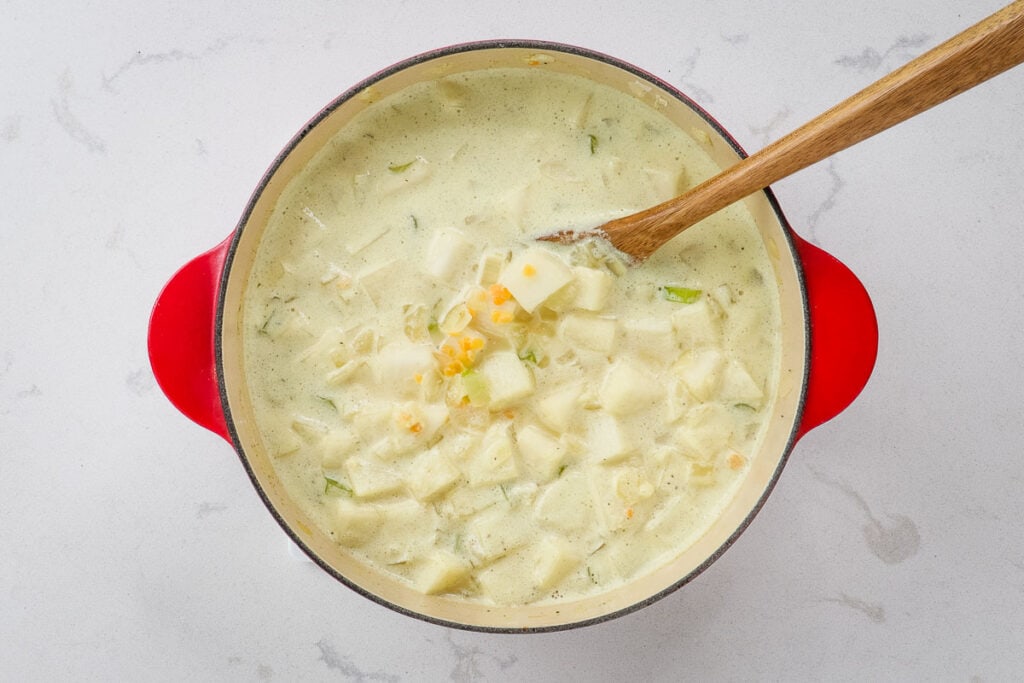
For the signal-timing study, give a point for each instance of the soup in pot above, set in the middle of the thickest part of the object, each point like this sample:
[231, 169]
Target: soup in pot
[483, 415]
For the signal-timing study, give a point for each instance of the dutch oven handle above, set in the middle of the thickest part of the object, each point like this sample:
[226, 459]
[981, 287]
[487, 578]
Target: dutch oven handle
[844, 338]
[844, 335]
[181, 340]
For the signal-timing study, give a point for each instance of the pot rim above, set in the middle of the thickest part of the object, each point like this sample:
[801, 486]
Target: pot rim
[454, 49]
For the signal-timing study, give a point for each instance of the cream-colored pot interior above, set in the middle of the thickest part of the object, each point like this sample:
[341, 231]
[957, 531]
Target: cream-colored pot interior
[765, 465]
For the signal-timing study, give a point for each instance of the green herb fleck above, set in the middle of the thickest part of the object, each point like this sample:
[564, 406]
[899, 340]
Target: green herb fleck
[398, 168]
[681, 295]
[265, 327]
[593, 144]
[334, 483]
[529, 357]
[504, 491]
[591, 575]
[561, 469]
[329, 401]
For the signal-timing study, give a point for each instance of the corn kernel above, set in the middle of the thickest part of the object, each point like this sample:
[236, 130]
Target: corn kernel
[529, 270]
[736, 461]
[499, 294]
[501, 316]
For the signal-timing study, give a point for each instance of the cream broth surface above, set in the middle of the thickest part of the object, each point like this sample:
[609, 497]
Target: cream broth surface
[483, 415]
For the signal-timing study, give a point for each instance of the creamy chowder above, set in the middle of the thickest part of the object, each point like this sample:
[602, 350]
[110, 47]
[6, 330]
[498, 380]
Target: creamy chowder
[488, 416]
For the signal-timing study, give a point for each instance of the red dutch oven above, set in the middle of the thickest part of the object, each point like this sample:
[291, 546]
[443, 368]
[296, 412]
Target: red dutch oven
[829, 342]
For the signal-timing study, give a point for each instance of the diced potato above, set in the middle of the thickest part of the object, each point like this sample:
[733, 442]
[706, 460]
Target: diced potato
[455, 319]
[722, 295]
[365, 342]
[430, 475]
[508, 378]
[355, 523]
[379, 278]
[369, 479]
[393, 446]
[562, 300]
[420, 421]
[677, 399]
[398, 366]
[628, 388]
[653, 338]
[589, 290]
[556, 410]
[738, 386]
[631, 485]
[371, 420]
[533, 275]
[495, 533]
[464, 501]
[620, 496]
[503, 582]
[703, 474]
[707, 430]
[608, 442]
[328, 351]
[345, 372]
[283, 443]
[661, 183]
[588, 331]
[566, 504]
[408, 531]
[335, 447]
[446, 254]
[311, 430]
[441, 572]
[294, 324]
[696, 324]
[603, 568]
[670, 520]
[555, 558]
[541, 453]
[701, 371]
[495, 461]
[593, 288]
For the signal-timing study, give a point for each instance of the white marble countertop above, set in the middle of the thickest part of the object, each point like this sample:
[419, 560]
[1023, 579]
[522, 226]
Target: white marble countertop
[134, 547]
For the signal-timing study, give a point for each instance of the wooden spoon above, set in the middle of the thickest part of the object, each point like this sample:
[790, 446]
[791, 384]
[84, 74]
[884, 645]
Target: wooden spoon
[985, 50]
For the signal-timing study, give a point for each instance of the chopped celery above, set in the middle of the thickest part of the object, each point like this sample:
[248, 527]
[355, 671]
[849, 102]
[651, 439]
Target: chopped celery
[334, 483]
[681, 295]
[476, 387]
[398, 168]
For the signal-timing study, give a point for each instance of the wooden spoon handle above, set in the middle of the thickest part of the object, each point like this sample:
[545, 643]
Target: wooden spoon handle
[969, 58]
